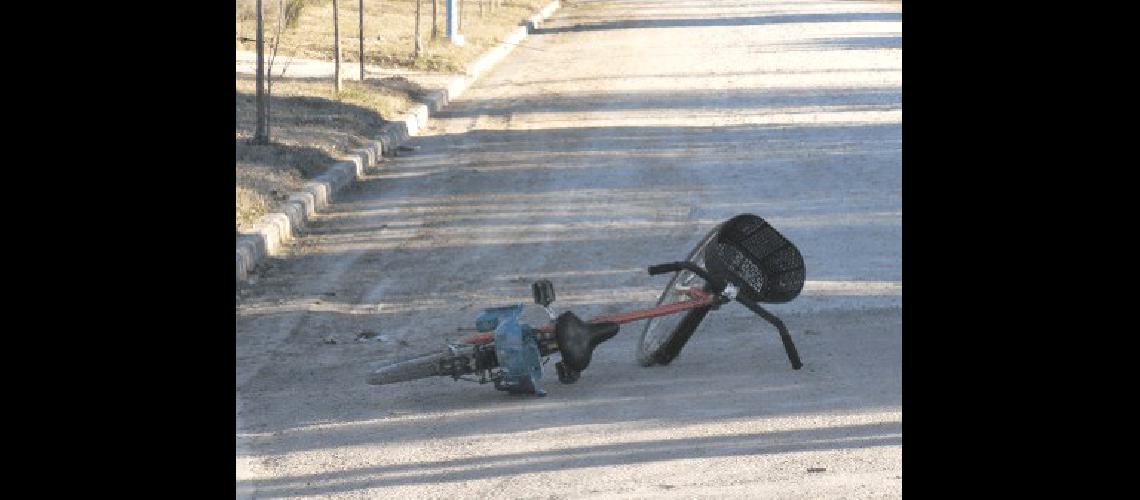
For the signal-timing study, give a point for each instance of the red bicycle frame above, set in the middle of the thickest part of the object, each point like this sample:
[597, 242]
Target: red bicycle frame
[700, 298]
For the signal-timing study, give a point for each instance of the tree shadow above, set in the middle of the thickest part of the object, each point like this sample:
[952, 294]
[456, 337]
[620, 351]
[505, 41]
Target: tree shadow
[784, 100]
[405, 243]
[842, 17]
[386, 85]
[691, 76]
[307, 160]
[852, 43]
[313, 112]
[497, 465]
[307, 133]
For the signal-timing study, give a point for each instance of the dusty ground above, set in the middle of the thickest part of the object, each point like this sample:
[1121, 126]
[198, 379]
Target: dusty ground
[628, 130]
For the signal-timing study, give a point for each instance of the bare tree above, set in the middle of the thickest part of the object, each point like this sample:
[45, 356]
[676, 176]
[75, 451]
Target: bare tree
[419, 46]
[361, 41]
[336, 45]
[286, 15]
[434, 19]
[261, 134]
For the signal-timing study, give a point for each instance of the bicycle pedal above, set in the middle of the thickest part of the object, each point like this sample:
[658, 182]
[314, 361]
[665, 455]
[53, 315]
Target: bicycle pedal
[543, 292]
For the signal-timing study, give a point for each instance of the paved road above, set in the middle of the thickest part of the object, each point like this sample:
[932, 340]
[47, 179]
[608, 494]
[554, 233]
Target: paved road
[610, 140]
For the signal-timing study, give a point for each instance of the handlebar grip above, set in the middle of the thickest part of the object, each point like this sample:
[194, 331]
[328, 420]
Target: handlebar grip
[665, 268]
[715, 284]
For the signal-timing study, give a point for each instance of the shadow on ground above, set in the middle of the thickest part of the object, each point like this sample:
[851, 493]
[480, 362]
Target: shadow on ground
[843, 17]
[406, 227]
[307, 133]
[490, 464]
[382, 85]
[782, 100]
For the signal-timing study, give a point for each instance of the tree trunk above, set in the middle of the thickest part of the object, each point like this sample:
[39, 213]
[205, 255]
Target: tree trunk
[419, 47]
[268, 104]
[336, 45]
[261, 134]
[361, 41]
[434, 19]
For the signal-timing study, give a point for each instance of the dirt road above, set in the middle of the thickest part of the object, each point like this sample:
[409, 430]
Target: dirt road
[612, 139]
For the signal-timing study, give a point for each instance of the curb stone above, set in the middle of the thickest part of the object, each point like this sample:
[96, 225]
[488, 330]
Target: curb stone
[268, 234]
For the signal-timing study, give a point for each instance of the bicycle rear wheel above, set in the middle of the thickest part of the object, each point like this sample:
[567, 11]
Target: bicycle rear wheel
[664, 336]
[409, 369]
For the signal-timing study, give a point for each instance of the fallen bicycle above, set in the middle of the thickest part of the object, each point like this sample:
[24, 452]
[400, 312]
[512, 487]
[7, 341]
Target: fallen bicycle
[743, 259]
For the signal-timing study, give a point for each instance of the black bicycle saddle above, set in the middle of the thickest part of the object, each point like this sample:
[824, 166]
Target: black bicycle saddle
[577, 339]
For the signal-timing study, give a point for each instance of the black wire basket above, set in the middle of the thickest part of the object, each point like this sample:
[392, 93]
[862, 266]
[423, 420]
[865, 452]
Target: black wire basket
[749, 253]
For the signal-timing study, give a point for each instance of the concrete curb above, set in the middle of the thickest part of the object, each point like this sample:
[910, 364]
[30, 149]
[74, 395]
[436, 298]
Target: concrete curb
[275, 228]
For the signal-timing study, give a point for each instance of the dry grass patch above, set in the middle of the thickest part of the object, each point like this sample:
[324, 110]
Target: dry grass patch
[389, 27]
[311, 129]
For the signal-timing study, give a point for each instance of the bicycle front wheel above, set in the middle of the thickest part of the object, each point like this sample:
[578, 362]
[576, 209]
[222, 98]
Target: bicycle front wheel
[409, 369]
[664, 336]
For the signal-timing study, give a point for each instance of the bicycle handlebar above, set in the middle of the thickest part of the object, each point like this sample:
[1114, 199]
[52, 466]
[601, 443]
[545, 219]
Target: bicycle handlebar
[667, 268]
[670, 267]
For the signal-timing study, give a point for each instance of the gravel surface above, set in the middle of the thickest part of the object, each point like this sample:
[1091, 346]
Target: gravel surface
[613, 139]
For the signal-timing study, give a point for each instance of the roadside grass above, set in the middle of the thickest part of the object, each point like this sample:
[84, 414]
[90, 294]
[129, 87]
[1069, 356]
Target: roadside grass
[310, 126]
